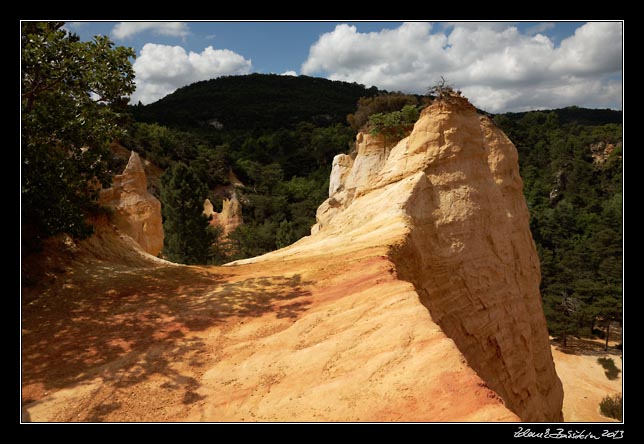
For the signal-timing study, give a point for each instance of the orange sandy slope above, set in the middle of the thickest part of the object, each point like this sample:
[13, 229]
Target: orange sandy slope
[332, 338]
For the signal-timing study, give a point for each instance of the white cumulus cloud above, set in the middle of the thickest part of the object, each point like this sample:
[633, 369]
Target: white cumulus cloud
[289, 73]
[124, 30]
[161, 69]
[498, 67]
[594, 48]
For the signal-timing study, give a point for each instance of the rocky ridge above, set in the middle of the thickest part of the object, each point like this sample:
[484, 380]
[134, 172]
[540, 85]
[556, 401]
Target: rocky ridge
[448, 201]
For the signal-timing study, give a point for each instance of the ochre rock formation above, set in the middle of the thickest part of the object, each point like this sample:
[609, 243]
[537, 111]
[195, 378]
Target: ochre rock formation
[137, 213]
[471, 256]
[342, 164]
[152, 172]
[601, 151]
[448, 201]
[230, 216]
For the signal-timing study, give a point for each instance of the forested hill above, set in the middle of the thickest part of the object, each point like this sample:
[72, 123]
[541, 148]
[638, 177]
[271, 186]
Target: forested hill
[256, 101]
[575, 115]
[571, 164]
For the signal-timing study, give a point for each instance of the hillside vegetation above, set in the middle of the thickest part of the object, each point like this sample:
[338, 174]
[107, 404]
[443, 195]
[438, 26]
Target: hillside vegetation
[571, 165]
[255, 102]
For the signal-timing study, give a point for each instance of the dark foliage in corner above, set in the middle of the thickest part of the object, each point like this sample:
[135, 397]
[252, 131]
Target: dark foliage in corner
[611, 406]
[73, 97]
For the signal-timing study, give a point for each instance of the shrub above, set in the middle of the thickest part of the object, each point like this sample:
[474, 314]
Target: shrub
[381, 104]
[611, 370]
[612, 406]
[394, 125]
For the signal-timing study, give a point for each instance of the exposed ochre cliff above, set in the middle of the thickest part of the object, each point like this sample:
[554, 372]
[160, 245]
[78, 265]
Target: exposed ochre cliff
[472, 259]
[448, 201]
[137, 213]
[230, 216]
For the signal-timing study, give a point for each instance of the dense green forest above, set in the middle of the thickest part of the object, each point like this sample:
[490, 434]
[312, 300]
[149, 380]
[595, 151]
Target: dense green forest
[255, 102]
[278, 135]
[571, 164]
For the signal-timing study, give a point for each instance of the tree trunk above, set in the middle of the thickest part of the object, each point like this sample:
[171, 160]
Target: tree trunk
[565, 344]
[607, 333]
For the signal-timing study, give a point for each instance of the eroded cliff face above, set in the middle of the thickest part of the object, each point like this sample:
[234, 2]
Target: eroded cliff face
[467, 248]
[137, 213]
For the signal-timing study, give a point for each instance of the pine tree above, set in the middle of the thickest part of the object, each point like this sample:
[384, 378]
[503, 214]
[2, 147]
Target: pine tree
[285, 235]
[188, 235]
[563, 315]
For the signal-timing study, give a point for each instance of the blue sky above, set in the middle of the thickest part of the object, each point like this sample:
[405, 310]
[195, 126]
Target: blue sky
[500, 66]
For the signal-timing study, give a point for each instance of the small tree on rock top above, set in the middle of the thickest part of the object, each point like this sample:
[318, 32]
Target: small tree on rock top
[442, 90]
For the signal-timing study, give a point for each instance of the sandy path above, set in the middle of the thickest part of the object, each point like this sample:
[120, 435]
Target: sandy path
[328, 339]
[333, 339]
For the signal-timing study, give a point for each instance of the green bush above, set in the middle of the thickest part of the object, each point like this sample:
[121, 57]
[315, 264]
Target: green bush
[394, 125]
[609, 365]
[612, 406]
[380, 104]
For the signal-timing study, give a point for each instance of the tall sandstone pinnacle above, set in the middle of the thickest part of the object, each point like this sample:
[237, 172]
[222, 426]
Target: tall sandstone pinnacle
[454, 184]
[137, 213]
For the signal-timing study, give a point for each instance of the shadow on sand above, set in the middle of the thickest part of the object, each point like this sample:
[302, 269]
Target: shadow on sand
[143, 319]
